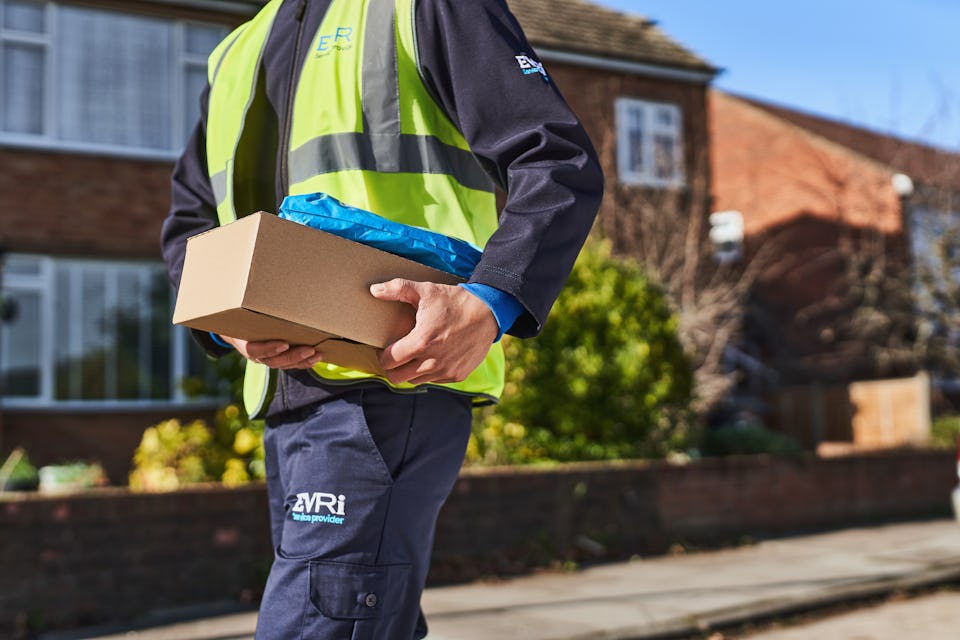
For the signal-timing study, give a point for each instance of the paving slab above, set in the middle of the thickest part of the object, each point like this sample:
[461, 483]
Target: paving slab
[931, 617]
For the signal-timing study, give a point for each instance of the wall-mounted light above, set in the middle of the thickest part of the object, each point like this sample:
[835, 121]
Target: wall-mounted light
[726, 232]
[902, 185]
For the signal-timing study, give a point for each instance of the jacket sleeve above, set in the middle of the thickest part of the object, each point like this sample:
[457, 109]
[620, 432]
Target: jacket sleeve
[192, 211]
[479, 66]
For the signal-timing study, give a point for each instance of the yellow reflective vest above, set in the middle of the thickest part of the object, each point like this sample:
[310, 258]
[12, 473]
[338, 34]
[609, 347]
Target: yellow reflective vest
[365, 130]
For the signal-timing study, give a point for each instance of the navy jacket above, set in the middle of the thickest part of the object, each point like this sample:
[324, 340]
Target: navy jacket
[516, 122]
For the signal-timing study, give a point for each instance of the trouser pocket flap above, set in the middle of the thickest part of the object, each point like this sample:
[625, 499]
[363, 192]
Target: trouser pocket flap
[357, 592]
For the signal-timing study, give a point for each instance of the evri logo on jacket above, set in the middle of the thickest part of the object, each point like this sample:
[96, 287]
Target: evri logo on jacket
[529, 66]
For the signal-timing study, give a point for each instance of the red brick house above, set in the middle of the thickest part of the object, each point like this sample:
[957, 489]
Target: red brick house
[96, 98]
[830, 198]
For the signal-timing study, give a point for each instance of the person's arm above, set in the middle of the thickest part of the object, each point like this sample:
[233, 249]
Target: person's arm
[192, 211]
[482, 71]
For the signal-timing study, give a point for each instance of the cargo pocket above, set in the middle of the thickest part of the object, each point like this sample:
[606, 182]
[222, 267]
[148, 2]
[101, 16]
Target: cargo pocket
[354, 602]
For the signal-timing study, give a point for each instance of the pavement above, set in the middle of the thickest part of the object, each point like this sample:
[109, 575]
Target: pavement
[673, 596]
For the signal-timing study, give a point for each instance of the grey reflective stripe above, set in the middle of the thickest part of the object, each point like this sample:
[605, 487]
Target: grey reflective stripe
[380, 90]
[412, 153]
[218, 182]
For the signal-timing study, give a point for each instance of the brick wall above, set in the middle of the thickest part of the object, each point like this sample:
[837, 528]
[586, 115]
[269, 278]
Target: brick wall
[110, 554]
[84, 205]
[773, 171]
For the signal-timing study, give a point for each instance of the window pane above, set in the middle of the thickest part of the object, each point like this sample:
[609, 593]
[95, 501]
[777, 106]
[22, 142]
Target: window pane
[130, 336]
[93, 337]
[19, 15]
[20, 265]
[201, 40]
[665, 153]
[22, 88]
[20, 357]
[665, 117]
[115, 78]
[68, 345]
[161, 332]
[635, 138]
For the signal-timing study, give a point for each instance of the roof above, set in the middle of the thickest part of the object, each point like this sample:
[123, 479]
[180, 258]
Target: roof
[577, 26]
[571, 26]
[923, 163]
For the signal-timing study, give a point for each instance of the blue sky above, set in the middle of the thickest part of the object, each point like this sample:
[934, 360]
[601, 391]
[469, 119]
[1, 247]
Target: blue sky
[890, 66]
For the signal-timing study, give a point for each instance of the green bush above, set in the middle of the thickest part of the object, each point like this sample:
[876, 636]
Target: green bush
[171, 454]
[945, 432]
[746, 439]
[607, 378]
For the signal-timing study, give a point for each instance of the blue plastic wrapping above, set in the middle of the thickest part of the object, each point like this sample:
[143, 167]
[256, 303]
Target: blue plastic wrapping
[326, 213]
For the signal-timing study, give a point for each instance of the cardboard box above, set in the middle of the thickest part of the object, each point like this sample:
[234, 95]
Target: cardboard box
[265, 278]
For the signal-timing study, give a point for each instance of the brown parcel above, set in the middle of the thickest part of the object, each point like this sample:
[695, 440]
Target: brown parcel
[266, 278]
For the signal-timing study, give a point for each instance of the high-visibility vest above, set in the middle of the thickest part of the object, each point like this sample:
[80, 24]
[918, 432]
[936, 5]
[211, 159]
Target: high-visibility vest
[365, 130]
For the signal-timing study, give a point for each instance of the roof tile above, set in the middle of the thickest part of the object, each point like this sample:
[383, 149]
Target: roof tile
[582, 27]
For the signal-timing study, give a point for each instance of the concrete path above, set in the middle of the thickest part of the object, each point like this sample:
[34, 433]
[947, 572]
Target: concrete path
[665, 596]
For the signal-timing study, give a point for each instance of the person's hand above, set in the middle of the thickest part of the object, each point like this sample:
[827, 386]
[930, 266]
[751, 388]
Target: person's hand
[276, 354]
[453, 332]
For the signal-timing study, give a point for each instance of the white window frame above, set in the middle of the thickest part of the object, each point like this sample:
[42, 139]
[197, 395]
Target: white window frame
[49, 139]
[43, 284]
[646, 175]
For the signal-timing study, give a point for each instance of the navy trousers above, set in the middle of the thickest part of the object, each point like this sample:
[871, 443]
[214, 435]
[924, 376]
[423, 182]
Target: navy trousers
[355, 484]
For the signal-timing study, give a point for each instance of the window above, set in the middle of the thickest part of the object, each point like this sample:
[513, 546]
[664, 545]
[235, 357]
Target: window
[81, 78]
[649, 144]
[92, 332]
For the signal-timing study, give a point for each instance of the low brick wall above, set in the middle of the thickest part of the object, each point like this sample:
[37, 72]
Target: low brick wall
[109, 554]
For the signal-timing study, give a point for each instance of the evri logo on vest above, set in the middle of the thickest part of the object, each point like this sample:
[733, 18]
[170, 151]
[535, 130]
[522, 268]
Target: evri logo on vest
[340, 40]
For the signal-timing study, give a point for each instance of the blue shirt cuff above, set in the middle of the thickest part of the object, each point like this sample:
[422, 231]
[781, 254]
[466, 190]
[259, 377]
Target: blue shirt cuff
[220, 341]
[505, 308]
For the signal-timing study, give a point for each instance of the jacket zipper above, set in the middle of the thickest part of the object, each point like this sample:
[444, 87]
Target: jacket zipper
[285, 144]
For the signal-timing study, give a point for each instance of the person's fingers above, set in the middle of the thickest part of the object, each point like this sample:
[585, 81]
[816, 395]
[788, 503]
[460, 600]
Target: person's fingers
[398, 289]
[293, 358]
[402, 352]
[260, 351]
[423, 370]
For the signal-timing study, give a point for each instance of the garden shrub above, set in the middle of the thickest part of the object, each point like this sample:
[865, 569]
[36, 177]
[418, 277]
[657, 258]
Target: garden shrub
[746, 439]
[945, 432]
[172, 454]
[607, 378]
